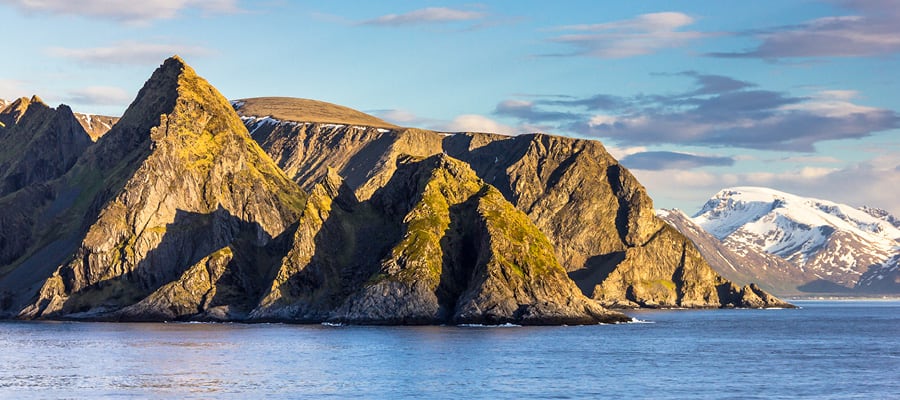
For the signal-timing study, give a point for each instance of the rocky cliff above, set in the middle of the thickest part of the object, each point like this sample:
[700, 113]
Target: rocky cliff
[596, 215]
[37, 143]
[741, 265]
[177, 213]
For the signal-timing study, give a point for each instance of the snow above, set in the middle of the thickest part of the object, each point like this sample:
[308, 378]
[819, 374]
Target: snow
[837, 236]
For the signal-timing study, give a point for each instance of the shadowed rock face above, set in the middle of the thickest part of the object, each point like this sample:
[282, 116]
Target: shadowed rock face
[174, 184]
[177, 214]
[37, 143]
[596, 215]
[456, 252]
[772, 272]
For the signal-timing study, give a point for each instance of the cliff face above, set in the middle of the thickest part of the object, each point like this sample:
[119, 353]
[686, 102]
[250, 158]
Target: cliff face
[596, 215]
[37, 143]
[181, 184]
[177, 213]
[743, 265]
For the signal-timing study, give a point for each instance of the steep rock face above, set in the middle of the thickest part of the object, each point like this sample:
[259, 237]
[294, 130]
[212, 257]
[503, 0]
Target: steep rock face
[595, 213]
[742, 265]
[336, 248]
[433, 245]
[835, 243]
[37, 143]
[364, 156]
[598, 216]
[467, 256]
[180, 180]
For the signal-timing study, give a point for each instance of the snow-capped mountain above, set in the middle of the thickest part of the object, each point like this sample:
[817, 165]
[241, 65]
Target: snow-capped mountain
[833, 242]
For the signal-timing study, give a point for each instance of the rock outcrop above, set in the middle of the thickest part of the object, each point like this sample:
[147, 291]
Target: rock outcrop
[743, 265]
[596, 215]
[179, 181]
[176, 213]
[37, 143]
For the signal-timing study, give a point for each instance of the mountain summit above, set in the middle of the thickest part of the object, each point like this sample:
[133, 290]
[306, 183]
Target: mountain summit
[833, 243]
[185, 210]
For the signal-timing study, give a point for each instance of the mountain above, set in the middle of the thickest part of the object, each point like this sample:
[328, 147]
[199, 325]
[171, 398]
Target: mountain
[37, 143]
[831, 244]
[744, 264]
[176, 213]
[595, 214]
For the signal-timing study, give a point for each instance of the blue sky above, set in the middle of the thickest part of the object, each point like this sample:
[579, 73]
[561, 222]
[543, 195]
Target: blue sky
[692, 96]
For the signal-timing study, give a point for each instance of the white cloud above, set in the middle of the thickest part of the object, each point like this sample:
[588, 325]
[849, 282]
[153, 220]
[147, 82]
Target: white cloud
[128, 11]
[476, 123]
[644, 34]
[430, 15]
[99, 95]
[127, 52]
[622, 152]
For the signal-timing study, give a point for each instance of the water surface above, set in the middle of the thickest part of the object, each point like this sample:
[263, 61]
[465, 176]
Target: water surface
[823, 350]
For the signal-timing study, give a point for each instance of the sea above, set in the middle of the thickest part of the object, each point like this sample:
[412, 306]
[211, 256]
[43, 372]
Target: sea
[823, 350]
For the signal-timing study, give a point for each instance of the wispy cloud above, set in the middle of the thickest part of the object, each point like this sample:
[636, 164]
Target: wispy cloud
[128, 52]
[874, 31]
[644, 34]
[99, 95]
[528, 111]
[662, 160]
[127, 11]
[426, 16]
[719, 112]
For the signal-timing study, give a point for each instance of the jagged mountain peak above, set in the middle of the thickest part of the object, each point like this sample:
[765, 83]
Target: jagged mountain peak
[13, 112]
[732, 208]
[177, 181]
[835, 242]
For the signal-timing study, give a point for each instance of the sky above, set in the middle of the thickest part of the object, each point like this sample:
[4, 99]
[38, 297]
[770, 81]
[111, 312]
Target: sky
[692, 96]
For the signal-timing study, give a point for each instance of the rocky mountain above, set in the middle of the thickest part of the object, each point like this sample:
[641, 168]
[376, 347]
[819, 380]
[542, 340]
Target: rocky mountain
[833, 245]
[177, 213]
[595, 214]
[37, 143]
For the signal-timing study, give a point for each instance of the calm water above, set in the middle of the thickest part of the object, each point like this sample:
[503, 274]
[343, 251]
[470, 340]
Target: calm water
[824, 350]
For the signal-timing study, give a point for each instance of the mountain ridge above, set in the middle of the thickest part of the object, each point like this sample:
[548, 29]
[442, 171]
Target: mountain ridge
[828, 243]
[538, 173]
[190, 209]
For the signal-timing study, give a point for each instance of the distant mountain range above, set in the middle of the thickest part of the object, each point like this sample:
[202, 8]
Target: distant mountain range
[794, 244]
[191, 207]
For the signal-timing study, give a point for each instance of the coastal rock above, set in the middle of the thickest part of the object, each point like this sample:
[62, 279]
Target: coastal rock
[468, 256]
[186, 180]
[596, 215]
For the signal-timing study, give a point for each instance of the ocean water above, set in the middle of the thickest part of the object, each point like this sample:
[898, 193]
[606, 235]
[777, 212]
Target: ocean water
[825, 350]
